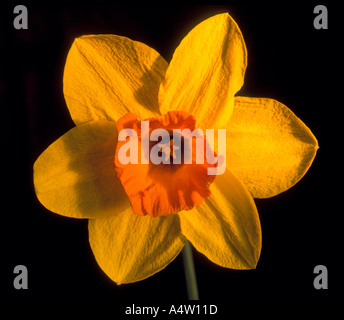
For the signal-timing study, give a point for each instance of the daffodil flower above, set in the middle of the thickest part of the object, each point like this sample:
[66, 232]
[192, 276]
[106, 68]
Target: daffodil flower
[140, 219]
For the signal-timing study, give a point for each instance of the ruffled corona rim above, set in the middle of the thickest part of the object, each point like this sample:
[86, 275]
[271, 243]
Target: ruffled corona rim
[166, 188]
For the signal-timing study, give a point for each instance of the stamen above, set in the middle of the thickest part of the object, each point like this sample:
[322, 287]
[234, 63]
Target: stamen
[168, 149]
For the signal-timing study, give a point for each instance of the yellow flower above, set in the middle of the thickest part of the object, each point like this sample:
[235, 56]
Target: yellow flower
[107, 76]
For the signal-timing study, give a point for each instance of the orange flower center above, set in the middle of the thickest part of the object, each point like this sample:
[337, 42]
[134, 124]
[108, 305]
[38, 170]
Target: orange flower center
[162, 174]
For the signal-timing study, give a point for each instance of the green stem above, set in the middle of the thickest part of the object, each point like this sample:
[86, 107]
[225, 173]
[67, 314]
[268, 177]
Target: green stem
[190, 274]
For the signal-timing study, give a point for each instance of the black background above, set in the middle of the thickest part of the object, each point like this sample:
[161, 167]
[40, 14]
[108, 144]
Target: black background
[288, 60]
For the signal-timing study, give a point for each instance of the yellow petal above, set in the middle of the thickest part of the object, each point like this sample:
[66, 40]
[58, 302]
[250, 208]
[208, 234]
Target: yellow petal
[225, 227]
[75, 176]
[268, 148]
[130, 248]
[206, 70]
[107, 76]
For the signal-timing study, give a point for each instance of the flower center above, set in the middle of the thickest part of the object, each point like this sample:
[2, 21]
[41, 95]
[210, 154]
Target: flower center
[168, 150]
[161, 163]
